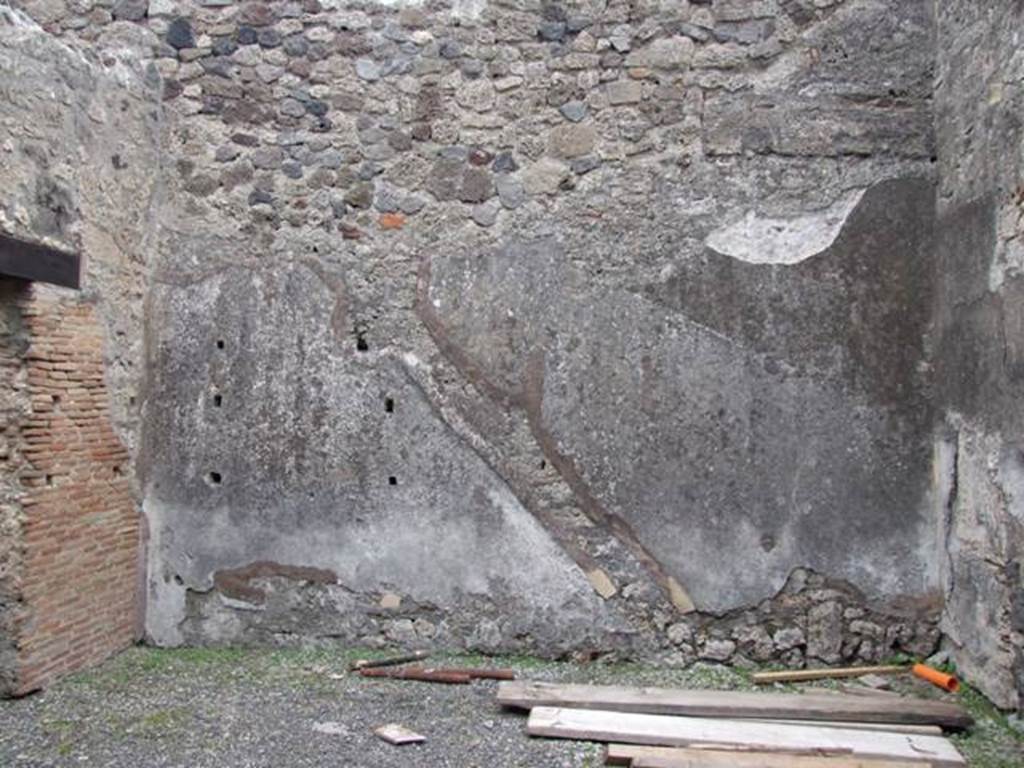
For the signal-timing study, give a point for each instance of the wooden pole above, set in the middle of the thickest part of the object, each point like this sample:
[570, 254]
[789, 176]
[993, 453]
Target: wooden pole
[797, 675]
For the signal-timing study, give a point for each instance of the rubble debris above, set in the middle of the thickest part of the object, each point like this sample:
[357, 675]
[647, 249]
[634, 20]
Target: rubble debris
[331, 728]
[396, 734]
[876, 682]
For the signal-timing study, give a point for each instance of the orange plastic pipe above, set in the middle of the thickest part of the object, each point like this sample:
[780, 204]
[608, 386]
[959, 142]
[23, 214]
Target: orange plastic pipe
[935, 677]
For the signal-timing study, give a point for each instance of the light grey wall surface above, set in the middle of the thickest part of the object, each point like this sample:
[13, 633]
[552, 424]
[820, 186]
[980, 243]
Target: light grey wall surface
[647, 286]
[979, 336]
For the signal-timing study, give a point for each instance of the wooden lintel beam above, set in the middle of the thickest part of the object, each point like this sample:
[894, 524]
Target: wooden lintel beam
[39, 263]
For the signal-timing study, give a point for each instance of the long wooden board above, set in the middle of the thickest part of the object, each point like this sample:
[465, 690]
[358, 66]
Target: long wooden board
[685, 757]
[744, 735]
[932, 730]
[735, 704]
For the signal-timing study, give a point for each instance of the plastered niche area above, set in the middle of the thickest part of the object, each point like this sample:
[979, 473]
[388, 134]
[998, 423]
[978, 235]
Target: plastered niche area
[461, 332]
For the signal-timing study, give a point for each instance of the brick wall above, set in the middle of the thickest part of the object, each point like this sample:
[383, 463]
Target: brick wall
[71, 576]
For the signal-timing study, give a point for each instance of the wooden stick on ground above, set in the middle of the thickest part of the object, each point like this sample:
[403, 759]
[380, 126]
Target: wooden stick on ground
[391, 661]
[797, 675]
[418, 673]
[481, 673]
[440, 675]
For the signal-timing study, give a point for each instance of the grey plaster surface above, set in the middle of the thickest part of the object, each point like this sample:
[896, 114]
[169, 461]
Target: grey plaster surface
[979, 357]
[589, 404]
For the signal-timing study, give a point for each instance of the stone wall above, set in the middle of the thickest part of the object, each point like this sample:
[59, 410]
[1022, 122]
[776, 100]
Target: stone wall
[553, 327]
[462, 332]
[80, 159]
[979, 337]
[79, 162]
[14, 407]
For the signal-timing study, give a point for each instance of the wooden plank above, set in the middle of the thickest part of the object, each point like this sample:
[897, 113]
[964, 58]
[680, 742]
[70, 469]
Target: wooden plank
[735, 704]
[687, 757]
[723, 760]
[41, 263]
[861, 690]
[933, 730]
[798, 675]
[666, 731]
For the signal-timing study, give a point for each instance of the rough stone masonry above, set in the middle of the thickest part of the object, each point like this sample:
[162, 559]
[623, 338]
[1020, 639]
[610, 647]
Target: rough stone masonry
[78, 145]
[655, 328]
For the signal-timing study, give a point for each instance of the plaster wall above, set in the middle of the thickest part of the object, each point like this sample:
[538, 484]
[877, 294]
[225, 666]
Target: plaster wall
[593, 327]
[465, 328]
[979, 328]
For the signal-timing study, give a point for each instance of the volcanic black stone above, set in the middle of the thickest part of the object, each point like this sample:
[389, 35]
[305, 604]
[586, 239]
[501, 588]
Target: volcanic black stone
[180, 35]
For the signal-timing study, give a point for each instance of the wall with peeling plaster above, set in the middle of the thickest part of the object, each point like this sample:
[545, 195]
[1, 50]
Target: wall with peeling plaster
[978, 338]
[463, 310]
[588, 327]
[592, 326]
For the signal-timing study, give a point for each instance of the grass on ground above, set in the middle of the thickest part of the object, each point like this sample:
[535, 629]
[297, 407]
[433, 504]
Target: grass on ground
[992, 743]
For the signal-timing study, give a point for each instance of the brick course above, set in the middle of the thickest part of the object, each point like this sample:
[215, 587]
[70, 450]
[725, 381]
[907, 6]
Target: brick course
[71, 569]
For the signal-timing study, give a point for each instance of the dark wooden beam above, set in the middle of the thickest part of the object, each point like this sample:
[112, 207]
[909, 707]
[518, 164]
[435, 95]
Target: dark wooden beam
[40, 263]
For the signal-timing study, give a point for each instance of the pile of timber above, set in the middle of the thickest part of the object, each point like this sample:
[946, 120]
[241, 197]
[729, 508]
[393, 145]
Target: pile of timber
[667, 728]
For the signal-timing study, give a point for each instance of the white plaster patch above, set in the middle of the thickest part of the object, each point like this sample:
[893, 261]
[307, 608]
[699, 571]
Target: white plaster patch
[770, 240]
[165, 599]
[1009, 252]
[468, 10]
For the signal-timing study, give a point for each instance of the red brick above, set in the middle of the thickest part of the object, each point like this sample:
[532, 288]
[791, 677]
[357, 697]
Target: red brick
[81, 529]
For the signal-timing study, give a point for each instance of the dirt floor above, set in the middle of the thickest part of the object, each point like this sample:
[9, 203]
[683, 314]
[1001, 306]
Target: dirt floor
[225, 708]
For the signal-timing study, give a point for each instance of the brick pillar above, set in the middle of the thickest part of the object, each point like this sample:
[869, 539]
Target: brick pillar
[68, 591]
